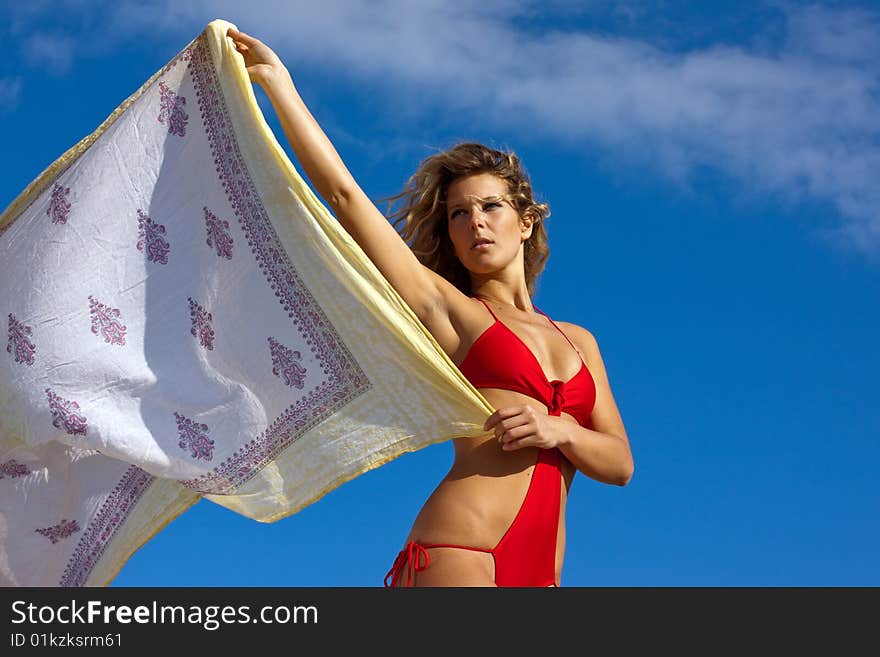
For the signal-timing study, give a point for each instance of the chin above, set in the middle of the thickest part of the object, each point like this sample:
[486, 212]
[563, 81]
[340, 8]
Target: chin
[476, 264]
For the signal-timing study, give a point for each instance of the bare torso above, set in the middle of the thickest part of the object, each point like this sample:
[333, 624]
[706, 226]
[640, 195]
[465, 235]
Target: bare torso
[480, 496]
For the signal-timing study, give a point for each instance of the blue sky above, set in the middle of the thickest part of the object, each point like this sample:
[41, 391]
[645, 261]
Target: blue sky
[711, 170]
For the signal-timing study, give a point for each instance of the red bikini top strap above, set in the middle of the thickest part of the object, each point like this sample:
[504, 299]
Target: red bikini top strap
[560, 330]
[487, 308]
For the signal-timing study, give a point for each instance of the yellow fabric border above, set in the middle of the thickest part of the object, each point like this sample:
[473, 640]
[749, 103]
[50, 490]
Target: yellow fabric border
[186, 499]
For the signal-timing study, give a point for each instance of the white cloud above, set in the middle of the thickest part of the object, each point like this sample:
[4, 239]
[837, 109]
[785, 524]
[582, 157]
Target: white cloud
[10, 93]
[50, 52]
[799, 119]
[802, 121]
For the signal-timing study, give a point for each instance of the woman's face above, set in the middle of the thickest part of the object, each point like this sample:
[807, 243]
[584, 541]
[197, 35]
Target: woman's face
[485, 229]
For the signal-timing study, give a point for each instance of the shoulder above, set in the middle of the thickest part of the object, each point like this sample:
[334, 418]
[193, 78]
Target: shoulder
[572, 330]
[583, 339]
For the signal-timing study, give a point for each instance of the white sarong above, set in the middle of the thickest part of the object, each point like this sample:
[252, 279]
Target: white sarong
[185, 319]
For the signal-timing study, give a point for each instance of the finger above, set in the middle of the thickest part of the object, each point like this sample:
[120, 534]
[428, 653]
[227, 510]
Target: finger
[498, 416]
[515, 434]
[503, 414]
[236, 41]
[510, 423]
[241, 37]
[528, 441]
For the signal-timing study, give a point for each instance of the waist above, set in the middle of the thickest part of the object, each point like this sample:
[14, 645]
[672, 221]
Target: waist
[478, 499]
[481, 458]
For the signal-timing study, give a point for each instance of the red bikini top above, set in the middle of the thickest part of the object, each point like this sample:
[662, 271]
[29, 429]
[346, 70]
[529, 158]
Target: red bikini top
[500, 359]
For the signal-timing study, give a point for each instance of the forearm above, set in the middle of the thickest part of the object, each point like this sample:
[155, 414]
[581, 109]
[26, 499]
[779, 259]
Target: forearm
[322, 165]
[601, 456]
[314, 150]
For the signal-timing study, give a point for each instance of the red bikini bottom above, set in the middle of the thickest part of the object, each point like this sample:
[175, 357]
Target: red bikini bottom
[526, 554]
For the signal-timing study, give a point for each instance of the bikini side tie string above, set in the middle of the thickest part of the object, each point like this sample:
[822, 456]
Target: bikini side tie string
[411, 558]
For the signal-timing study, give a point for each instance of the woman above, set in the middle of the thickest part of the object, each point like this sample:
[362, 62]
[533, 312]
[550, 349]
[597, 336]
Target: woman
[497, 518]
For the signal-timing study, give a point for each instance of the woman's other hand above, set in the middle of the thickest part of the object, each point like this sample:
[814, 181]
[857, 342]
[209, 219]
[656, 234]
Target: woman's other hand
[262, 64]
[516, 427]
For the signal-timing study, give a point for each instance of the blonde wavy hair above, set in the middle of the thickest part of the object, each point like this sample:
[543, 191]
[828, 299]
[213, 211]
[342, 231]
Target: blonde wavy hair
[422, 209]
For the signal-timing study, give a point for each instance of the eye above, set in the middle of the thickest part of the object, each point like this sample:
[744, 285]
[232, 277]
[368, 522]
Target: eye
[455, 213]
[491, 205]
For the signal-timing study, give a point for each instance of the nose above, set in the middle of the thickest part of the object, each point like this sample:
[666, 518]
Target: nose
[478, 217]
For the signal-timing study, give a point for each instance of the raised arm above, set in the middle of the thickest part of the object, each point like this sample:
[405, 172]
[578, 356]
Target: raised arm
[426, 292]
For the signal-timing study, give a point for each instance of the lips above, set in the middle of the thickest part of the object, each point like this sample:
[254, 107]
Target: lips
[481, 241]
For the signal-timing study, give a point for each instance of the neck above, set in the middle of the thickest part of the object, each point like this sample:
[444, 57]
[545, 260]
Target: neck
[493, 291]
[506, 287]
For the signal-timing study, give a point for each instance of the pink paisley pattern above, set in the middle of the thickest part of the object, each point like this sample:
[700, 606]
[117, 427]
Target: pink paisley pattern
[183, 56]
[65, 415]
[150, 236]
[218, 234]
[106, 320]
[193, 437]
[62, 530]
[201, 324]
[13, 469]
[18, 344]
[284, 364]
[59, 208]
[171, 109]
[274, 255]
